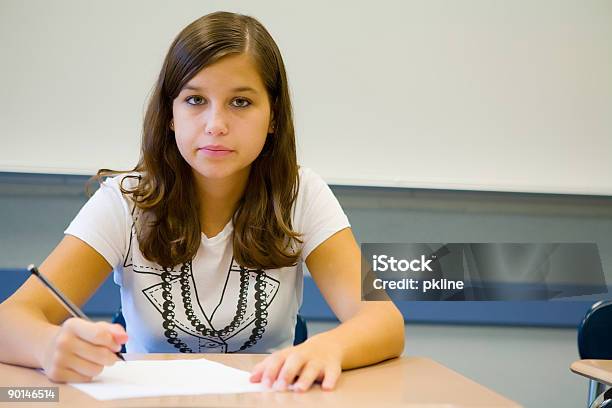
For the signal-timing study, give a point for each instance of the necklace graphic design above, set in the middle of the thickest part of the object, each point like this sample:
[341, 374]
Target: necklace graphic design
[184, 322]
[175, 298]
[260, 315]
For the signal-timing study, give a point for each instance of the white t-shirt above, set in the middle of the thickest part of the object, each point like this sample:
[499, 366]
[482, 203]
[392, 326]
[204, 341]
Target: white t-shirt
[210, 304]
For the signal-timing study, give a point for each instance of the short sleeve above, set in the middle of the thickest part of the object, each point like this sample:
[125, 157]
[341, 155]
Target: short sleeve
[102, 222]
[318, 213]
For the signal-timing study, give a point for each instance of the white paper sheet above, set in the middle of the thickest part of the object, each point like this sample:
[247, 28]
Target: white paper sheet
[153, 378]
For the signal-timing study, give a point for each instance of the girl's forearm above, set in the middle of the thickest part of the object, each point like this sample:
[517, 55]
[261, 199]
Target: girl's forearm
[373, 334]
[25, 333]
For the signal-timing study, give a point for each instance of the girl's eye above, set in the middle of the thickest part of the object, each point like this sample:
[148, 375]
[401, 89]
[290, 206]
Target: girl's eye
[237, 103]
[198, 100]
[242, 103]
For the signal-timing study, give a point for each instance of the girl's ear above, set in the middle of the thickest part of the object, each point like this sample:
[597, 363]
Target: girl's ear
[272, 125]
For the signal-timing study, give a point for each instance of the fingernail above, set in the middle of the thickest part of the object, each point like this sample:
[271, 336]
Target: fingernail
[280, 384]
[266, 382]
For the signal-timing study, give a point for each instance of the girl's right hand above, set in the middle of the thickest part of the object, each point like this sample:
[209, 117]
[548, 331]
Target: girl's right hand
[80, 350]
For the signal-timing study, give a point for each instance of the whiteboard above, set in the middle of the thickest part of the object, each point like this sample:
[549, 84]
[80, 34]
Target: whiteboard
[468, 95]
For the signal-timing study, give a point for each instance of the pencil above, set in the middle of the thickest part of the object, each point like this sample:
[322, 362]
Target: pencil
[72, 308]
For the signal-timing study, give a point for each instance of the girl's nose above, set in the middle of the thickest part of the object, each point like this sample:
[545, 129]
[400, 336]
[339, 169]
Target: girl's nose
[216, 124]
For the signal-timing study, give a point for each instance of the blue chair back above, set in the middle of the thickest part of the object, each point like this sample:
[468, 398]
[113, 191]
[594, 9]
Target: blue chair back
[301, 331]
[595, 332]
[300, 336]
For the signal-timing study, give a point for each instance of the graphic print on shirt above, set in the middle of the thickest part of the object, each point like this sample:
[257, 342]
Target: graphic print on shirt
[175, 298]
[185, 323]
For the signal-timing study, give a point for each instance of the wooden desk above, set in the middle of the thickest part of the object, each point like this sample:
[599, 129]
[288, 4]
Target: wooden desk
[401, 382]
[598, 370]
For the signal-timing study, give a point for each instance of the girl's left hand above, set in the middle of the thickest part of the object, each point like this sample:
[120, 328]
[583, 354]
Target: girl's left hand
[301, 366]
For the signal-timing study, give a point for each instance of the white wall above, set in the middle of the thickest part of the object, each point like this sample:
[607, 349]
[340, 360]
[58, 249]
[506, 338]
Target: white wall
[472, 94]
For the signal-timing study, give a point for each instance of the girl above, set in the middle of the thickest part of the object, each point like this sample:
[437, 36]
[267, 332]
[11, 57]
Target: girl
[207, 234]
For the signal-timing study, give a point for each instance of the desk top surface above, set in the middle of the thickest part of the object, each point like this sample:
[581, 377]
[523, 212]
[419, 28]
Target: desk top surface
[598, 370]
[405, 381]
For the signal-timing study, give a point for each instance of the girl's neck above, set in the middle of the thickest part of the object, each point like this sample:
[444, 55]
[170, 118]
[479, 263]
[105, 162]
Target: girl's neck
[219, 199]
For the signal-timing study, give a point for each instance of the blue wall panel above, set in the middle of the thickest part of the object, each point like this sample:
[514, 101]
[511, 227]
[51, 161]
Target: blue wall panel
[106, 302]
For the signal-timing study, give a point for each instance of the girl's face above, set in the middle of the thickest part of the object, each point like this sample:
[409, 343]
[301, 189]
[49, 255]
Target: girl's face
[222, 117]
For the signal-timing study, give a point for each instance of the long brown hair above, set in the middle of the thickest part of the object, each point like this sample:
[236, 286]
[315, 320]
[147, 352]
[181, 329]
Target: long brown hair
[169, 231]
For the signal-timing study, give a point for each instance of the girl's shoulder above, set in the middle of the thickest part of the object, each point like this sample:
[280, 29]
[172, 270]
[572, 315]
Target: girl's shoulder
[119, 187]
[312, 189]
[308, 176]
[123, 181]
[309, 182]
